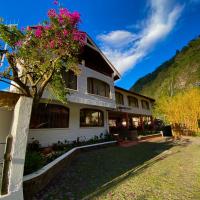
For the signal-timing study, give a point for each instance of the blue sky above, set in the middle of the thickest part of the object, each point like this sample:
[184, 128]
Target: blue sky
[136, 35]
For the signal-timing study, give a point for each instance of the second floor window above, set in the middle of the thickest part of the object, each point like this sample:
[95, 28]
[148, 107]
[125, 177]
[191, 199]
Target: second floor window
[133, 102]
[145, 104]
[119, 98]
[98, 87]
[70, 79]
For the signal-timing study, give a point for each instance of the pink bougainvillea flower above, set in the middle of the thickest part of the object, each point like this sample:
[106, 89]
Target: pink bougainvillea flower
[60, 43]
[38, 33]
[75, 17]
[52, 44]
[60, 19]
[52, 13]
[19, 43]
[79, 36]
[47, 27]
[65, 32]
[64, 12]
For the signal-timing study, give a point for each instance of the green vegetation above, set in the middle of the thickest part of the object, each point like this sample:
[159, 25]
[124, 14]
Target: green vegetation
[38, 56]
[182, 111]
[155, 170]
[37, 157]
[180, 72]
[33, 162]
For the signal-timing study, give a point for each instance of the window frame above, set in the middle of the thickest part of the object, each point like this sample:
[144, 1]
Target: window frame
[91, 87]
[85, 114]
[121, 98]
[135, 100]
[67, 84]
[147, 107]
[49, 113]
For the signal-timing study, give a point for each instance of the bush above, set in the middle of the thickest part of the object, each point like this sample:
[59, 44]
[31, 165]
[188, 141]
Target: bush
[34, 145]
[33, 161]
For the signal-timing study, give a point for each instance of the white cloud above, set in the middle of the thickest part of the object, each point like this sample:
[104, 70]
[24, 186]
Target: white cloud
[118, 38]
[125, 49]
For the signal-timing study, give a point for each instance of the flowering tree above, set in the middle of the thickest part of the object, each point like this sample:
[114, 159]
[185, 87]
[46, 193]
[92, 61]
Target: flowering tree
[37, 55]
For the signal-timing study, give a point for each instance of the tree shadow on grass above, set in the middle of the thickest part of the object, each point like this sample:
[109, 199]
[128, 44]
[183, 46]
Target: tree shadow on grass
[94, 172]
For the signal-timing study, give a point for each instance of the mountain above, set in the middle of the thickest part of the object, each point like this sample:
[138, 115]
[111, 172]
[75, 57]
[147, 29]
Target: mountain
[180, 72]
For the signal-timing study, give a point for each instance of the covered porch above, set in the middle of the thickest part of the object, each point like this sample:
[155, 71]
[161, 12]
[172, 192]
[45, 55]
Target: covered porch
[127, 125]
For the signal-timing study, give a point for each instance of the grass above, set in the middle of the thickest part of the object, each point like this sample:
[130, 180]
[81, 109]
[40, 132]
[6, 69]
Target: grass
[153, 171]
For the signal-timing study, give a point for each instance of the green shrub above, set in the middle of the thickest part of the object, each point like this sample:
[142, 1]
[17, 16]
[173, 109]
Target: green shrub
[33, 162]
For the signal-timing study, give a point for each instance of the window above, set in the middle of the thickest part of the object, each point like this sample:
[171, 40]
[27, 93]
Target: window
[95, 86]
[70, 79]
[145, 104]
[119, 98]
[50, 116]
[91, 118]
[135, 121]
[133, 102]
[112, 123]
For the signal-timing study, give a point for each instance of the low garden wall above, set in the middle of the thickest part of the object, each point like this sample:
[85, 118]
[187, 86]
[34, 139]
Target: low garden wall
[150, 136]
[38, 180]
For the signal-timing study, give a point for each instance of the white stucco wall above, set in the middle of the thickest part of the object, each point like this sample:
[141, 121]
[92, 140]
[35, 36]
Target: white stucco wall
[139, 110]
[48, 136]
[5, 124]
[82, 96]
[18, 129]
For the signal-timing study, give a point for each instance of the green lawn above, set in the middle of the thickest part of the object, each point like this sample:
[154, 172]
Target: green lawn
[154, 170]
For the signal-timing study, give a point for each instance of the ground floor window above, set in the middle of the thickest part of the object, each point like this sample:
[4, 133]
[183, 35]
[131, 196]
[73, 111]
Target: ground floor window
[91, 118]
[50, 116]
[135, 121]
[112, 123]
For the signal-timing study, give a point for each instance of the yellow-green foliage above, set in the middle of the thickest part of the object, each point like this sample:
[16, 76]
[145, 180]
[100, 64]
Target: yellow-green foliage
[183, 108]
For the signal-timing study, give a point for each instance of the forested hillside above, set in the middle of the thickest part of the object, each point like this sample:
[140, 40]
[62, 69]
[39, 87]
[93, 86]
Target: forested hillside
[180, 72]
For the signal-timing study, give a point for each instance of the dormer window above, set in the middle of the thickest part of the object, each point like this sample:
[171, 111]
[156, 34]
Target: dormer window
[119, 98]
[98, 87]
[70, 79]
[133, 102]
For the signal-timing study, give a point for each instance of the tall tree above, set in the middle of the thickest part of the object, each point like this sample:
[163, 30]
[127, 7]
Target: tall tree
[182, 110]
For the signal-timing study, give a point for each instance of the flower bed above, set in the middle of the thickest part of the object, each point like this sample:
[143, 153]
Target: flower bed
[37, 157]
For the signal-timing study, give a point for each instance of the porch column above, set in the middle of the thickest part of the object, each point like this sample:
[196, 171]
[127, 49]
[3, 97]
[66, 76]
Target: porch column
[152, 122]
[127, 120]
[142, 122]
